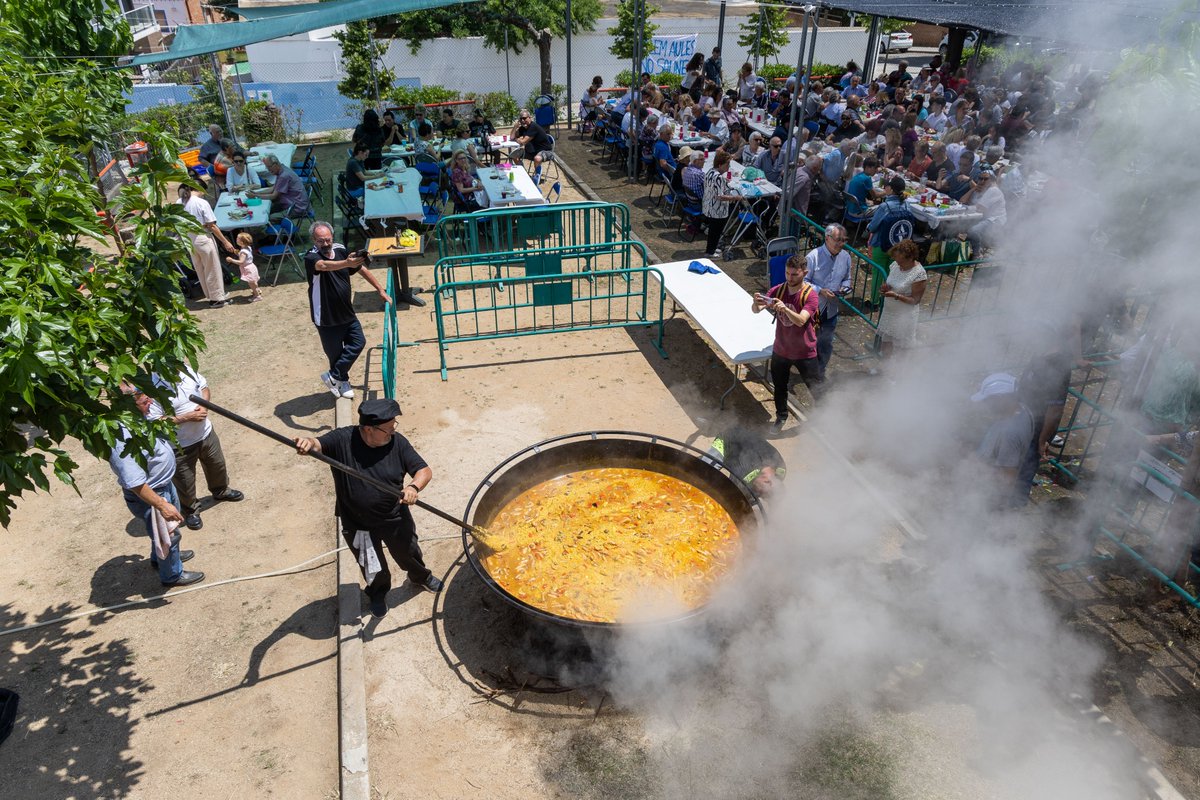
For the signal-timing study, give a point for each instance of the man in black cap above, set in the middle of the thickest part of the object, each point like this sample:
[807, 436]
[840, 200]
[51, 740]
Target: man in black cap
[368, 515]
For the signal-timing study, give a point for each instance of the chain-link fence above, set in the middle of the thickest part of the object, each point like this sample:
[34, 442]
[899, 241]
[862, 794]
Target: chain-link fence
[300, 86]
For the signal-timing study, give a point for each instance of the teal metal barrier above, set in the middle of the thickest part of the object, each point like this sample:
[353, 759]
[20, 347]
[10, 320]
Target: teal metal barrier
[492, 307]
[619, 254]
[953, 291]
[391, 340]
[391, 335]
[502, 230]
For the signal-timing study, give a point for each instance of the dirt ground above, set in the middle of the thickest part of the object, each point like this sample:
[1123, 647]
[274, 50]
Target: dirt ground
[229, 691]
[232, 691]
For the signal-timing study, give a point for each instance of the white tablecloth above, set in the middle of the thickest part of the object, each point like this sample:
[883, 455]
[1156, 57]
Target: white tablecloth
[694, 142]
[259, 215]
[722, 310]
[522, 191]
[284, 152]
[389, 203]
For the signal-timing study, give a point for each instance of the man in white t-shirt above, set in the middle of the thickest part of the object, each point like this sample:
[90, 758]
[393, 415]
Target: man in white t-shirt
[195, 441]
[205, 260]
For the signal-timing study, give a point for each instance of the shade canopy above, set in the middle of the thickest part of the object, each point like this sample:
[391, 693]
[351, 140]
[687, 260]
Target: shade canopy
[198, 40]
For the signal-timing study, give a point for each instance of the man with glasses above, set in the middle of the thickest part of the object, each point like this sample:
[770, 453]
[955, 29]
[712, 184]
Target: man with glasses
[328, 267]
[372, 519]
[288, 191]
[829, 271]
[771, 161]
[533, 138]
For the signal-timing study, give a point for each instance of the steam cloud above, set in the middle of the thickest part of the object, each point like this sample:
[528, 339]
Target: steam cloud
[933, 668]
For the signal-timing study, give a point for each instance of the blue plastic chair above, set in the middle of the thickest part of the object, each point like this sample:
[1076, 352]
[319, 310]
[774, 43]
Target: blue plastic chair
[777, 269]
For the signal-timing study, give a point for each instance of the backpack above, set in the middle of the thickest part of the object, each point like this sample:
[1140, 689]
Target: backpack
[815, 319]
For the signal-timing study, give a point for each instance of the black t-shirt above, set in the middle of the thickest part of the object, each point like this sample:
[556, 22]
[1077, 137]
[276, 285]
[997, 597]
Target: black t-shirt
[329, 292]
[480, 129]
[353, 167]
[540, 141]
[373, 139]
[360, 504]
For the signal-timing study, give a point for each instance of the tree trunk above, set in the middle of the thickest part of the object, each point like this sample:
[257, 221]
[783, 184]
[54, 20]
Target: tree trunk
[544, 60]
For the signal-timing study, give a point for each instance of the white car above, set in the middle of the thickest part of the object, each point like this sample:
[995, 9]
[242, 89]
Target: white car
[968, 43]
[896, 41]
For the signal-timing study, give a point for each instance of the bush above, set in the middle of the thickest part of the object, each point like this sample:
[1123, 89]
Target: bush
[671, 79]
[182, 120]
[408, 96]
[774, 71]
[262, 122]
[497, 106]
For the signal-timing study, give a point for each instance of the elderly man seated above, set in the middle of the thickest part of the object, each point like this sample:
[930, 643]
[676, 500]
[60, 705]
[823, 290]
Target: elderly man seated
[210, 149]
[288, 193]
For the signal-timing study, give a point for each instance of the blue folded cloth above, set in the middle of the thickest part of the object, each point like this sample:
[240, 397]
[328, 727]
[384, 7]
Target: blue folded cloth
[702, 269]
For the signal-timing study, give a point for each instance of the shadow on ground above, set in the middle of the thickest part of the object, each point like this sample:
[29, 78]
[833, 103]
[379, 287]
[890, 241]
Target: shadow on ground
[72, 735]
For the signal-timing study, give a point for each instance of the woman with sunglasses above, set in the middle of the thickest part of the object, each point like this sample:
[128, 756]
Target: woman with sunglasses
[239, 176]
[467, 189]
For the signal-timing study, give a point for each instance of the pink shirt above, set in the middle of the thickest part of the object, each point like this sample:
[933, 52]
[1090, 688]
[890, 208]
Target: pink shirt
[794, 341]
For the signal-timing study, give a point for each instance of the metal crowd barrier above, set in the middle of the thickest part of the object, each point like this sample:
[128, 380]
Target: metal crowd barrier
[501, 230]
[545, 291]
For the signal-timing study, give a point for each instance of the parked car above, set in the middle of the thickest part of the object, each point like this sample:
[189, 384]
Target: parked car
[897, 41]
[968, 43]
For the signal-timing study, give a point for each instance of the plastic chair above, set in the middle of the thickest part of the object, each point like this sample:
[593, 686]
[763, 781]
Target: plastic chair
[545, 113]
[351, 219]
[435, 208]
[779, 250]
[691, 211]
[282, 249]
[853, 215]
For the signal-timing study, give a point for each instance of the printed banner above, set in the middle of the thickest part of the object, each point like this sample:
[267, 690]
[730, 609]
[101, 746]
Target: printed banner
[671, 54]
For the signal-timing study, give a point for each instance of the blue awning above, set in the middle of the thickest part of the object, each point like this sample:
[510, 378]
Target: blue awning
[199, 40]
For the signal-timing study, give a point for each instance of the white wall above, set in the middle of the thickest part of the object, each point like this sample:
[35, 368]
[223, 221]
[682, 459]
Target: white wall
[469, 66]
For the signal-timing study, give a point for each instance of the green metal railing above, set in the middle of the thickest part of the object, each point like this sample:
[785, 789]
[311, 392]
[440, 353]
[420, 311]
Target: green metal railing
[391, 336]
[954, 291]
[620, 254]
[503, 230]
[532, 293]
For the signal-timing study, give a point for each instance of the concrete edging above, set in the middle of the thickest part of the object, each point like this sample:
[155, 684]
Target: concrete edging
[353, 771]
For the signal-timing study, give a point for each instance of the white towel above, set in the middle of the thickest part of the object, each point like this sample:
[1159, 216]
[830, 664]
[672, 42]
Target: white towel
[367, 558]
[162, 533]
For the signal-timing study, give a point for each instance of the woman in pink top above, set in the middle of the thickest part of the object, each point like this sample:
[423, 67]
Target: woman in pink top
[794, 305]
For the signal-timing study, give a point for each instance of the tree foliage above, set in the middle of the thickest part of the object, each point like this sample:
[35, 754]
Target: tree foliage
[774, 36]
[526, 22]
[76, 322]
[358, 51]
[624, 33]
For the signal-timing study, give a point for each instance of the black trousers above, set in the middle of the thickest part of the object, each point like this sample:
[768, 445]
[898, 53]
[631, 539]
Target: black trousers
[401, 541]
[781, 375]
[716, 226]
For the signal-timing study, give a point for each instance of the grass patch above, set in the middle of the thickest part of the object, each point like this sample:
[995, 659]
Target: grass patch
[596, 766]
[844, 763]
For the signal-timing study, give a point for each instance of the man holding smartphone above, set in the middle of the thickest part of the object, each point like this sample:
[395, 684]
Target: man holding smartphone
[829, 271]
[328, 267]
[793, 303]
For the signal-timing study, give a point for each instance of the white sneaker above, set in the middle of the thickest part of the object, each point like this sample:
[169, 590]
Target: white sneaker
[330, 384]
[716, 254]
[345, 390]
